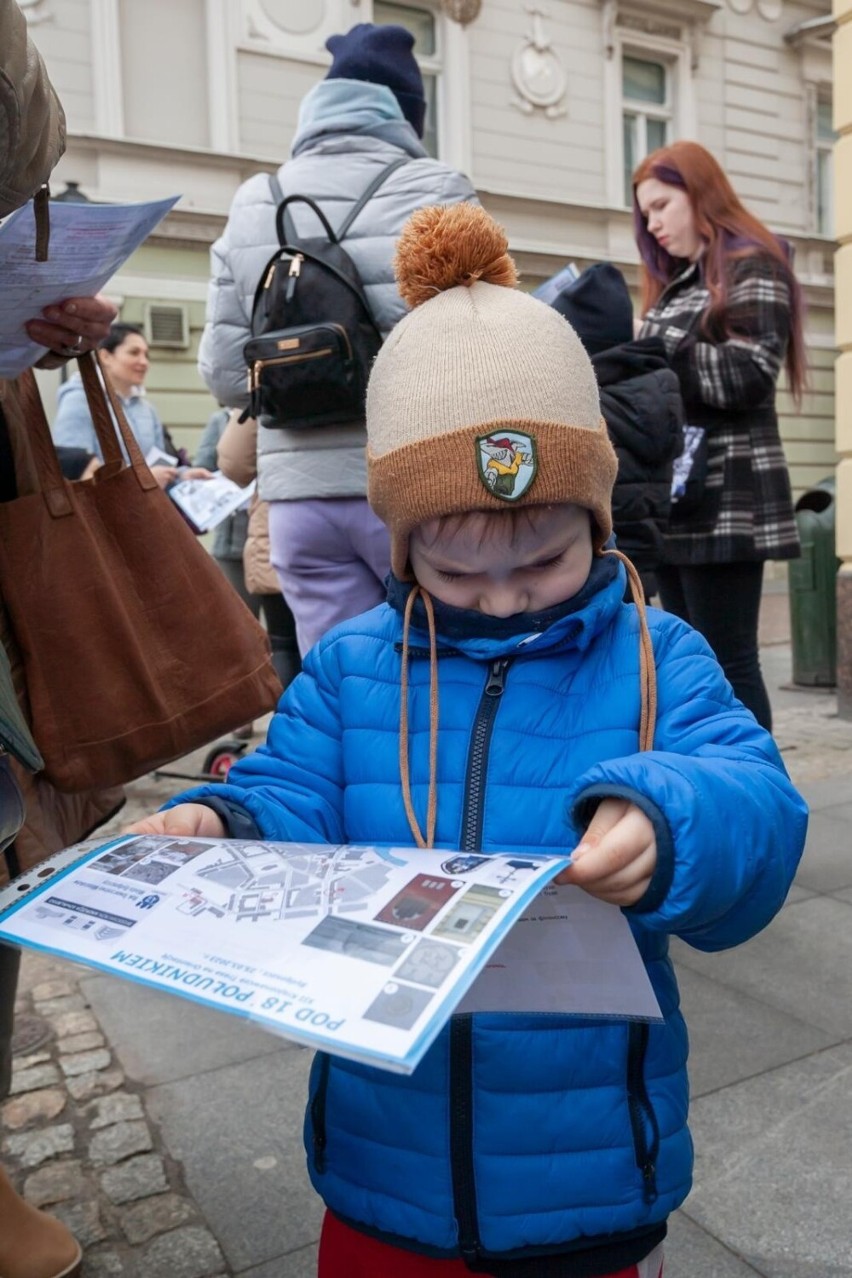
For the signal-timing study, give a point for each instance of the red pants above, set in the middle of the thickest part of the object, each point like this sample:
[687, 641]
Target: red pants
[344, 1253]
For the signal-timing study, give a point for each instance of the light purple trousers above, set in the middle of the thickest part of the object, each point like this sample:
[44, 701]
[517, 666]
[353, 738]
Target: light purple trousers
[331, 556]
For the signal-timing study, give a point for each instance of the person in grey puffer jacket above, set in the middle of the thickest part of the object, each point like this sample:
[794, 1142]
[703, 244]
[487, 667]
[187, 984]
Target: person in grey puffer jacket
[329, 550]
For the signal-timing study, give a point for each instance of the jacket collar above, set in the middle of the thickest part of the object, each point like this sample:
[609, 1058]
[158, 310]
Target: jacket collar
[573, 624]
[337, 113]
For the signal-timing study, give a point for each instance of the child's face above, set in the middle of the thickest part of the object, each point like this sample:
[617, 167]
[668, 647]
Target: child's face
[503, 566]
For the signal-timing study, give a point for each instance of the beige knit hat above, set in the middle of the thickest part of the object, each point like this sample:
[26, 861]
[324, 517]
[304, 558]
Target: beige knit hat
[482, 397]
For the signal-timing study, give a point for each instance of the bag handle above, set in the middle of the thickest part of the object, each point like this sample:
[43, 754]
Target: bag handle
[54, 485]
[283, 220]
[284, 223]
[100, 390]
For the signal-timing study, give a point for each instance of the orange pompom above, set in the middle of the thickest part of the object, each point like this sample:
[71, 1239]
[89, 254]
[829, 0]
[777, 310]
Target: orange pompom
[444, 246]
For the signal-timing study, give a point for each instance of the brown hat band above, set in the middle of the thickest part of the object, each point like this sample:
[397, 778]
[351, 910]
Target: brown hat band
[454, 473]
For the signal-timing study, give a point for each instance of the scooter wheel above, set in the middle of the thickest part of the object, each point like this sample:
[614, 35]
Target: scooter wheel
[219, 763]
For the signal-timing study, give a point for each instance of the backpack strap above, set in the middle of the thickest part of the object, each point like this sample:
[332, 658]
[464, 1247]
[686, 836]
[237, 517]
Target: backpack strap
[284, 221]
[377, 181]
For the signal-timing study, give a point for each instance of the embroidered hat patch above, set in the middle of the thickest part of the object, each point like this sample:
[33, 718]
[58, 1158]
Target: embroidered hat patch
[507, 462]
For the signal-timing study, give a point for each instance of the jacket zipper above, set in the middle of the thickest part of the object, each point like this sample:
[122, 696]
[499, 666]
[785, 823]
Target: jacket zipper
[477, 763]
[461, 1027]
[318, 1113]
[643, 1120]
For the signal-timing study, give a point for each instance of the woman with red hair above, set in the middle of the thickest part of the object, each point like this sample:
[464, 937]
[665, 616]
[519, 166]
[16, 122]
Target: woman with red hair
[719, 289]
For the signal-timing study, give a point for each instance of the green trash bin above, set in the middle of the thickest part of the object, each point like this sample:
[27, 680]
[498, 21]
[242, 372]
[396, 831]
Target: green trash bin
[813, 602]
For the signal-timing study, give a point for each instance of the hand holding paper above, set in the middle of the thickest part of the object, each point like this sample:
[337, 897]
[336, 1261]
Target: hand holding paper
[617, 855]
[88, 243]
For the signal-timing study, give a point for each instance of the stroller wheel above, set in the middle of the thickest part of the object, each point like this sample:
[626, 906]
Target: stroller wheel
[221, 759]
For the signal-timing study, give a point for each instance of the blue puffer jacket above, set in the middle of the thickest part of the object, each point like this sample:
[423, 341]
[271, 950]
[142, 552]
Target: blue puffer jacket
[522, 1136]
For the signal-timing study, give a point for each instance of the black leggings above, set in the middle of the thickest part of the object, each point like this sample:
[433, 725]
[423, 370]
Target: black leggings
[722, 601]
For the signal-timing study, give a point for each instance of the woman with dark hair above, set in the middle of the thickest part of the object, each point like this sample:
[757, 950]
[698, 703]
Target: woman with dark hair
[719, 289]
[124, 358]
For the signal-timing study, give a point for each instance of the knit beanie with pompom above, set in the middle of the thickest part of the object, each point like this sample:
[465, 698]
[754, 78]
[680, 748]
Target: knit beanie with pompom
[482, 397]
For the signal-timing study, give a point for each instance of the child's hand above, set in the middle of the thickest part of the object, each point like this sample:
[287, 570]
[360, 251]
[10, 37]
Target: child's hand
[184, 820]
[616, 856]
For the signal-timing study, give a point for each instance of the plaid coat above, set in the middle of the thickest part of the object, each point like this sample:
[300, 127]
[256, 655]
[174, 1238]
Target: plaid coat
[728, 387]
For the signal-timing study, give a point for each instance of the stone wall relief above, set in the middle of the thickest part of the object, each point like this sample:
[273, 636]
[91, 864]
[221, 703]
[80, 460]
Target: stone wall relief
[768, 9]
[537, 72]
[463, 11]
[300, 27]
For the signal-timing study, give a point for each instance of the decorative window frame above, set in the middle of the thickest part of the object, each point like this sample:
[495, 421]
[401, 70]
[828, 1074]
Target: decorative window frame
[665, 31]
[234, 25]
[812, 40]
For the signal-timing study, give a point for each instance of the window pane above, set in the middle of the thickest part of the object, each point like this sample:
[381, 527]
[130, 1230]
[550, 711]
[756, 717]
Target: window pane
[420, 22]
[656, 133]
[824, 130]
[643, 81]
[631, 153]
[825, 210]
[430, 129]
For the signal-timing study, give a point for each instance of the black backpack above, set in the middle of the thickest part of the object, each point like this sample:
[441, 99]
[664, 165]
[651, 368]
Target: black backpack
[313, 337]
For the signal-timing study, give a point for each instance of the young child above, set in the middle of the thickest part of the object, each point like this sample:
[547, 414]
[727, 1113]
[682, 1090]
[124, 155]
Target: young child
[506, 698]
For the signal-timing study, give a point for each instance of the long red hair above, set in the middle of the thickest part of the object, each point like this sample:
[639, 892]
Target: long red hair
[728, 231]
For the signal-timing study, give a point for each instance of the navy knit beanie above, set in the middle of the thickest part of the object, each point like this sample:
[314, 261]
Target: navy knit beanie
[598, 307]
[382, 55]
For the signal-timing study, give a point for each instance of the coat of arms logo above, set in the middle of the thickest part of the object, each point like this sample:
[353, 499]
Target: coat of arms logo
[507, 461]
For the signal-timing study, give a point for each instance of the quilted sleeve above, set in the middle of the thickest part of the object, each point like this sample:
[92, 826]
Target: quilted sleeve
[736, 825]
[293, 785]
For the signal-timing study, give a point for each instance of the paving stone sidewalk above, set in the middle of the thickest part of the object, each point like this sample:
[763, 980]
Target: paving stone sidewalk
[85, 1140]
[78, 1141]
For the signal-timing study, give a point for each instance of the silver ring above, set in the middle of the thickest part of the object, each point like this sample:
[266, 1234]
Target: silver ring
[76, 349]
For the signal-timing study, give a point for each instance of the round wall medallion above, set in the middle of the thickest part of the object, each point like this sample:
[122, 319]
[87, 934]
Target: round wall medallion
[294, 16]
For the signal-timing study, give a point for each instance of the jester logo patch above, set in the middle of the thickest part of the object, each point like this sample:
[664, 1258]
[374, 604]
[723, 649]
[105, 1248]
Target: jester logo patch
[507, 462]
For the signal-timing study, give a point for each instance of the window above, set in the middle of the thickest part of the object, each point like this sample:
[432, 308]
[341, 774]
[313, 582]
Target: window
[824, 175]
[646, 116]
[422, 24]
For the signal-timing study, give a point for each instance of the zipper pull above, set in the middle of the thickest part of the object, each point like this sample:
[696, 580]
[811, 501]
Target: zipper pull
[269, 275]
[497, 678]
[292, 276]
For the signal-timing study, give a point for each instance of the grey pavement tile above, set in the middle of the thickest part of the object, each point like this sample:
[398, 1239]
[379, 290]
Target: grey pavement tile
[844, 896]
[801, 964]
[733, 1037]
[296, 1264]
[798, 893]
[690, 1252]
[833, 792]
[773, 1178]
[238, 1133]
[826, 865]
[159, 1037]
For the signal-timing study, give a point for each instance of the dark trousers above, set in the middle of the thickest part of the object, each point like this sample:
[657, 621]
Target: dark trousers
[722, 601]
[10, 961]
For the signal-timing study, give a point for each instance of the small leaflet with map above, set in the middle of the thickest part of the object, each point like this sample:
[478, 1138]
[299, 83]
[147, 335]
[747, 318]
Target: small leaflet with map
[360, 951]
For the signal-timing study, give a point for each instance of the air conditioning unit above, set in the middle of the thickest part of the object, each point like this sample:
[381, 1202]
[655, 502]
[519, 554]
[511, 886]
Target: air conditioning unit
[167, 324]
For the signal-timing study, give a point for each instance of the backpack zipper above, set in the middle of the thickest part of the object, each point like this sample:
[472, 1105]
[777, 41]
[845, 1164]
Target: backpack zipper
[292, 275]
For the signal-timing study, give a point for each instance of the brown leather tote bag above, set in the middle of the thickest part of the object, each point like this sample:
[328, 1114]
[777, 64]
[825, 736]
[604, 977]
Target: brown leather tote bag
[136, 648]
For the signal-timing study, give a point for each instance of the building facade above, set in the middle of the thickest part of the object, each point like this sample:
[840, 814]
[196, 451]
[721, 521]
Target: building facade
[547, 106]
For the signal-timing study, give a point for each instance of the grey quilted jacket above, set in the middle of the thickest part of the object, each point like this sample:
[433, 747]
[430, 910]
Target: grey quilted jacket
[332, 168]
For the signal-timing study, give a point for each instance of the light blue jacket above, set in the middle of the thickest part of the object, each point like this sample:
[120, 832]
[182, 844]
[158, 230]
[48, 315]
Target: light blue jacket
[73, 427]
[348, 132]
[529, 1135]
